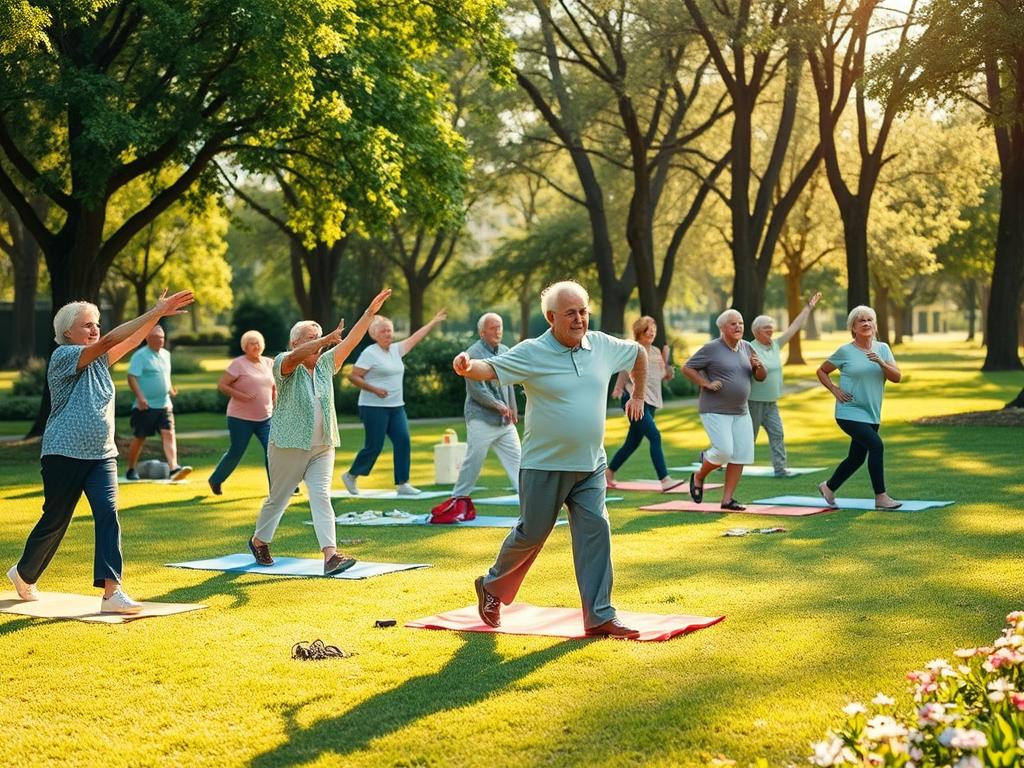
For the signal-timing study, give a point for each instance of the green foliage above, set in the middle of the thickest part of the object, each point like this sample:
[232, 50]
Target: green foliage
[215, 338]
[252, 316]
[19, 407]
[182, 363]
[431, 388]
[31, 379]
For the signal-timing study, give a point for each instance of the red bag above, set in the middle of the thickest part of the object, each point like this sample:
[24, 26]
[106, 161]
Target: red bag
[453, 510]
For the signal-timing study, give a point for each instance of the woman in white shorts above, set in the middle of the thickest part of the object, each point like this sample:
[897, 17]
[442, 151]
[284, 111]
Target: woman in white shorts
[723, 369]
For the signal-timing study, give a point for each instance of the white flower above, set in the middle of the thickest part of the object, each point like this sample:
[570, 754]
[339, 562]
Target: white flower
[881, 727]
[882, 700]
[963, 738]
[936, 664]
[916, 754]
[968, 761]
[828, 752]
[854, 708]
[965, 653]
[964, 669]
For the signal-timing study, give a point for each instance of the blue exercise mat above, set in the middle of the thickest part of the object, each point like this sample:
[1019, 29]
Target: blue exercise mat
[295, 566]
[864, 504]
[512, 500]
[377, 493]
[753, 470]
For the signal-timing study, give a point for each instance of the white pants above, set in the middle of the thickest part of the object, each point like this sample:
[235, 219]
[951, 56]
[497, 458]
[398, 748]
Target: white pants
[287, 467]
[480, 437]
[732, 438]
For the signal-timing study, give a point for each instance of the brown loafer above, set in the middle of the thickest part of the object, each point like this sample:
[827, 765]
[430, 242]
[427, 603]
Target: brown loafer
[487, 605]
[613, 628]
[337, 563]
[261, 552]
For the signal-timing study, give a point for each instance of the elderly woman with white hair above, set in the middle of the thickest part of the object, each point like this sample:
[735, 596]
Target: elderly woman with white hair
[864, 365]
[764, 395]
[78, 453]
[304, 432]
[723, 370]
[378, 372]
[249, 384]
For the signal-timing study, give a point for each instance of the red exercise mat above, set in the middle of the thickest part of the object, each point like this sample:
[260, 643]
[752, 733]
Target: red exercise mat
[526, 619]
[713, 507]
[654, 486]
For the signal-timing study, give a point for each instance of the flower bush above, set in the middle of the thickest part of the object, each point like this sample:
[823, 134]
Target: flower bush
[966, 713]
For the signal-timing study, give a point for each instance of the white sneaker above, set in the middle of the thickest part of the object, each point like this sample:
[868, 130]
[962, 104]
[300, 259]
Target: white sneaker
[26, 591]
[350, 483]
[119, 602]
[407, 490]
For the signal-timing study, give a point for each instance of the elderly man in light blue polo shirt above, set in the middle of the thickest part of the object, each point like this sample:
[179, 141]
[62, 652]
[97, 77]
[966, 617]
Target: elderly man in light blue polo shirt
[565, 373]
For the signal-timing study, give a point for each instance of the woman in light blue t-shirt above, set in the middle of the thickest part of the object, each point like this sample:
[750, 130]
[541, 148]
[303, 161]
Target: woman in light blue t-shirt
[378, 372]
[865, 364]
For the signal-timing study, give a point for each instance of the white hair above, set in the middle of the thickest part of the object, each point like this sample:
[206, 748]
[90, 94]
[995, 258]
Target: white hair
[726, 316]
[855, 315]
[377, 322]
[66, 316]
[550, 295]
[760, 322]
[250, 336]
[300, 327]
[484, 318]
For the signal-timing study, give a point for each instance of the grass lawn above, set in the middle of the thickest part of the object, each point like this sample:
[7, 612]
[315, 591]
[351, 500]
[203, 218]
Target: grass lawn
[839, 607]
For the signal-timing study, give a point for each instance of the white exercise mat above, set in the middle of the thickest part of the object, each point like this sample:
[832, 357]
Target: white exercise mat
[295, 566]
[62, 605]
[376, 493]
[754, 470]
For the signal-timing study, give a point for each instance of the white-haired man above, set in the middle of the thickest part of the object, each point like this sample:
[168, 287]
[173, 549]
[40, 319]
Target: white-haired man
[565, 373]
[491, 415]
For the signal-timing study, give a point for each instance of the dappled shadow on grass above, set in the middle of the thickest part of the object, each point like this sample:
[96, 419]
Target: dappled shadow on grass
[474, 673]
[221, 583]
[12, 625]
[36, 494]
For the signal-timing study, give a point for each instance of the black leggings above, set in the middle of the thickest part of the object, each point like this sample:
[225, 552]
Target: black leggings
[864, 442]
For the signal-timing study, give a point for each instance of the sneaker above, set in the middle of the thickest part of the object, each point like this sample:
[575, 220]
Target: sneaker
[404, 489]
[179, 473]
[119, 602]
[26, 591]
[350, 483]
[215, 488]
[131, 474]
[487, 605]
[668, 483]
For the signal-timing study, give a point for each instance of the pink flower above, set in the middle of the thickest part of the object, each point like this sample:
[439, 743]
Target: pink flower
[1017, 699]
[1014, 616]
[931, 714]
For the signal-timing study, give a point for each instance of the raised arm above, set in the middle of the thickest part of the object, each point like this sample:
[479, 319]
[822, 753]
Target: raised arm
[294, 359]
[344, 349]
[800, 320]
[128, 336]
[477, 370]
[409, 343]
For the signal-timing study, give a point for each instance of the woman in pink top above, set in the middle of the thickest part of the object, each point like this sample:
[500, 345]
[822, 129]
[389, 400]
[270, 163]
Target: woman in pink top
[249, 382]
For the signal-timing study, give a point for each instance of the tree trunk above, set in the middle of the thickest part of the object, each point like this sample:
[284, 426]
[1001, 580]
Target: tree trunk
[794, 306]
[417, 293]
[1003, 321]
[971, 305]
[855, 237]
[1018, 401]
[881, 312]
[25, 264]
[525, 305]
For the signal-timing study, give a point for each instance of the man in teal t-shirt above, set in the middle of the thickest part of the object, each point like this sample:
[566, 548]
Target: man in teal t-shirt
[565, 373]
[149, 376]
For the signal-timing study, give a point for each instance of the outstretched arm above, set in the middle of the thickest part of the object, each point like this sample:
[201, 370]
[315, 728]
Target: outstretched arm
[800, 320]
[344, 349]
[123, 339]
[416, 338]
[477, 370]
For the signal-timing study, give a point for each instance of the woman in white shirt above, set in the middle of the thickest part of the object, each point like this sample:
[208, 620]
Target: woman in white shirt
[378, 372]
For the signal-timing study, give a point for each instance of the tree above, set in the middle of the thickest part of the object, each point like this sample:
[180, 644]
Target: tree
[974, 52]
[749, 45]
[24, 254]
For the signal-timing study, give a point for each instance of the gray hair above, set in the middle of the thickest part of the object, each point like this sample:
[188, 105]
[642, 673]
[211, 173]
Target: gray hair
[855, 315]
[66, 316]
[550, 295]
[483, 319]
[726, 316]
[760, 322]
[300, 327]
[376, 322]
[250, 336]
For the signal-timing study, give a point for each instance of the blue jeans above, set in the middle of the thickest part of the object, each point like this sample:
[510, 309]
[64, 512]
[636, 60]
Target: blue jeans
[378, 422]
[240, 432]
[64, 481]
[865, 442]
[638, 430]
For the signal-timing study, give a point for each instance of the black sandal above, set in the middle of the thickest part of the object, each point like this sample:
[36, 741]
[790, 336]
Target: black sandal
[697, 494]
[733, 506]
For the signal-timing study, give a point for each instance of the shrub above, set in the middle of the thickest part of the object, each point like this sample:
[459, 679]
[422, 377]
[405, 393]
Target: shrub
[680, 386]
[19, 407]
[181, 363]
[432, 388]
[966, 714]
[31, 379]
[217, 337]
[250, 316]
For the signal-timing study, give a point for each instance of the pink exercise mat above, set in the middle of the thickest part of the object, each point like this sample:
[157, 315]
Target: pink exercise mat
[526, 619]
[713, 507]
[654, 486]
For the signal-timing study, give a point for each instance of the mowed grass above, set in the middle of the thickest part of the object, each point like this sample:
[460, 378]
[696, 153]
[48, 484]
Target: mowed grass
[837, 608]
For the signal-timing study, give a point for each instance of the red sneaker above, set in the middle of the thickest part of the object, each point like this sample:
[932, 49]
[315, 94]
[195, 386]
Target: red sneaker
[446, 512]
[467, 508]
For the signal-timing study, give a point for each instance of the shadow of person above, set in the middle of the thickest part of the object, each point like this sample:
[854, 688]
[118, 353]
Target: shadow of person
[474, 673]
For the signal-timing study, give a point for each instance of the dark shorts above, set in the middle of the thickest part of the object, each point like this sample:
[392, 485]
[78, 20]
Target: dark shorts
[150, 421]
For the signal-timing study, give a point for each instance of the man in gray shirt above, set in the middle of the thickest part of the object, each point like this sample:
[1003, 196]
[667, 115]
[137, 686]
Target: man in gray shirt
[491, 416]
